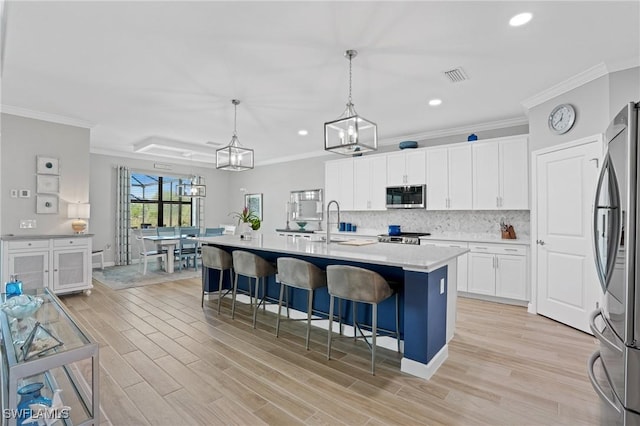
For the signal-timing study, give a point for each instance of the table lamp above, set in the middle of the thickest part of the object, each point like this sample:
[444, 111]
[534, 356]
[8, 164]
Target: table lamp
[78, 212]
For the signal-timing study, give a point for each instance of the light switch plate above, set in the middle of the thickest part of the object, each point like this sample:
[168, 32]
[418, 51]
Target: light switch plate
[14, 193]
[25, 193]
[27, 223]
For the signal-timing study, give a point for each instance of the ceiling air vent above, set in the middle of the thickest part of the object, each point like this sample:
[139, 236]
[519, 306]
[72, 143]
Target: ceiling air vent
[456, 75]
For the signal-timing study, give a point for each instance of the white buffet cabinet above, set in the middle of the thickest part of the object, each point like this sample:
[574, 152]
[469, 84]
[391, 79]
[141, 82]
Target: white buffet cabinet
[60, 262]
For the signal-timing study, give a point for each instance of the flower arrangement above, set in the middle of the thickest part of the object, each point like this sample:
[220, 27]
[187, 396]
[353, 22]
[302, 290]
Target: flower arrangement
[247, 216]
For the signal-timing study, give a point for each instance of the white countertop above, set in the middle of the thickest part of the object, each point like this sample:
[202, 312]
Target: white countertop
[408, 257]
[476, 238]
[12, 237]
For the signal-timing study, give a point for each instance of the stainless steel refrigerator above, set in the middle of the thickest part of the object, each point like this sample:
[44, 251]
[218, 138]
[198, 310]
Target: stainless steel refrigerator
[614, 369]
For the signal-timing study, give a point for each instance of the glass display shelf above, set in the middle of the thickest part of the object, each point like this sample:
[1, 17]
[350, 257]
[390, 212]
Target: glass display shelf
[63, 356]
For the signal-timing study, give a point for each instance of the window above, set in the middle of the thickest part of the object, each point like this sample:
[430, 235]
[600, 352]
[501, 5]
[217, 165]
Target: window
[154, 202]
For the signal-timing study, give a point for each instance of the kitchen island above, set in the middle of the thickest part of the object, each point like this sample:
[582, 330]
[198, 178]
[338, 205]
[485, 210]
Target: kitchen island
[420, 271]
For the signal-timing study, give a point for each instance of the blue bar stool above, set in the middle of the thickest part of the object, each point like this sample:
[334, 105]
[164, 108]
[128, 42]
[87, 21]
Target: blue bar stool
[252, 266]
[300, 274]
[360, 285]
[215, 258]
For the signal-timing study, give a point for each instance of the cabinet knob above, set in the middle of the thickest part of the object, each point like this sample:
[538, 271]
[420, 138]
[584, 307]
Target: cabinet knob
[540, 242]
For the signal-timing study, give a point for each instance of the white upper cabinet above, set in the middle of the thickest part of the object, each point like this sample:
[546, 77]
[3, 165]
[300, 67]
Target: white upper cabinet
[500, 174]
[370, 181]
[449, 178]
[406, 168]
[339, 182]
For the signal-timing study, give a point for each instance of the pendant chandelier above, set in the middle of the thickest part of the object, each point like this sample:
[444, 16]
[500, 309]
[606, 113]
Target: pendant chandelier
[193, 187]
[350, 134]
[233, 156]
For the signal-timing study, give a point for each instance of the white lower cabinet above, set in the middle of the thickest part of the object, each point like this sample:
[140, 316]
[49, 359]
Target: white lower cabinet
[462, 261]
[498, 270]
[62, 264]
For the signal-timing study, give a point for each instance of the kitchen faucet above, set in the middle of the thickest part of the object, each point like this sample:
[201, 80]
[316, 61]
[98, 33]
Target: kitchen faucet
[328, 223]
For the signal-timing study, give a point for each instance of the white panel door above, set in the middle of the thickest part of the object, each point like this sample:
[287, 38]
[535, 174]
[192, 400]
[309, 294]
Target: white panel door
[460, 178]
[437, 179]
[396, 169]
[482, 275]
[415, 166]
[567, 285]
[486, 176]
[514, 179]
[362, 184]
[378, 183]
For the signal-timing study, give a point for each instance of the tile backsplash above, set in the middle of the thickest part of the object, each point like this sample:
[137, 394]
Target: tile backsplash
[435, 222]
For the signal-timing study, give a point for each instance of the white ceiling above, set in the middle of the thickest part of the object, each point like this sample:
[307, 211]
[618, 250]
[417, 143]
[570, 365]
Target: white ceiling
[151, 72]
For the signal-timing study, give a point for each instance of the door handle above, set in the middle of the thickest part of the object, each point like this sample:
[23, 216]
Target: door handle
[540, 242]
[596, 160]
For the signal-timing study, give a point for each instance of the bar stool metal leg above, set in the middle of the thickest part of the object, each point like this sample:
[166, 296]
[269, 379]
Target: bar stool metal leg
[279, 309]
[233, 297]
[309, 309]
[330, 327]
[374, 331]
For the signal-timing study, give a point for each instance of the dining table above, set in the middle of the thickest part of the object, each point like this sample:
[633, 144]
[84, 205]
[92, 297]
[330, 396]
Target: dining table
[168, 243]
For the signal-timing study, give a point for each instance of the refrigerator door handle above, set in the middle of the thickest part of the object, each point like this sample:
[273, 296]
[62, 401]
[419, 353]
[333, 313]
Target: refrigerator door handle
[610, 224]
[594, 382]
[598, 334]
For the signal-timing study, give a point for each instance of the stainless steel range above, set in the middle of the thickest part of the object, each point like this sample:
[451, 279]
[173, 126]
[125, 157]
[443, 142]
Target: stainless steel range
[403, 238]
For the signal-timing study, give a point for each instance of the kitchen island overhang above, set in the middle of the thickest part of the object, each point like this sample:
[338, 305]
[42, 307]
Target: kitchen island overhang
[420, 271]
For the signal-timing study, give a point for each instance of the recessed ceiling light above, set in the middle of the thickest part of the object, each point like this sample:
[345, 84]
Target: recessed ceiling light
[520, 19]
[435, 102]
[303, 132]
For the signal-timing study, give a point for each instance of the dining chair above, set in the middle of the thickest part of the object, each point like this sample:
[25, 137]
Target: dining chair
[145, 254]
[187, 248]
[212, 232]
[166, 231]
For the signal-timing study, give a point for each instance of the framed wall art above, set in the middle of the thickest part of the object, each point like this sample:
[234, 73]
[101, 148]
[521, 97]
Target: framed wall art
[46, 204]
[47, 184]
[254, 203]
[47, 165]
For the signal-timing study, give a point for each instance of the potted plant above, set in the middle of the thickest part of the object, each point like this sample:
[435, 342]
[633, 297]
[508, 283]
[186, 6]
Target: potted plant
[247, 220]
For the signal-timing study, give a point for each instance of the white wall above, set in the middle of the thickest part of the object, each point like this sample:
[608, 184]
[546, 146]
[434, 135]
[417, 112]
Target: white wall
[624, 87]
[103, 194]
[275, 182]
[23, 139]
[591, 102]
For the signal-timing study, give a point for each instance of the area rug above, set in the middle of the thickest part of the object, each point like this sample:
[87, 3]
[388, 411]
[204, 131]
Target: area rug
[120, 277]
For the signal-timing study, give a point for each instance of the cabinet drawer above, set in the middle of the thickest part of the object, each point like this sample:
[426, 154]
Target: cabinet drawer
[498, 249]
[28, 244]
[70, 242]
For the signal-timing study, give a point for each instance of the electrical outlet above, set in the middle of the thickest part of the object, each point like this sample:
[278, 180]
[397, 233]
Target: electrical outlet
[14, 193]
[107, 247]
[441, 285]
[27, 223]
[25, 193]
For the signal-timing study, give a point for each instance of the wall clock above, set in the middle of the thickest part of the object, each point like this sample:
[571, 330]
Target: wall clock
[562, 118]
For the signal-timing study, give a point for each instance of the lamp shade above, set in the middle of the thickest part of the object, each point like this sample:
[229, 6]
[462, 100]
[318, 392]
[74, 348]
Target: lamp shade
[79, 211]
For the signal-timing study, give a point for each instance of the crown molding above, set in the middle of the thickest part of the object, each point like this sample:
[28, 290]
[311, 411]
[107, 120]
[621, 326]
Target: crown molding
[491, 125]
[45, 116]
[571, 83]
[150, 157]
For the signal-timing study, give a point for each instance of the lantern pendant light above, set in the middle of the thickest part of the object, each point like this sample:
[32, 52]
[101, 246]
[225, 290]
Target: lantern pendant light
[350, 134]
[233, 156]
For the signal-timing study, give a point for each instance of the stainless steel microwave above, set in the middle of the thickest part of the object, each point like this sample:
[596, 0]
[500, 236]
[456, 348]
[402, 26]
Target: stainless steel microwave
[407, 197]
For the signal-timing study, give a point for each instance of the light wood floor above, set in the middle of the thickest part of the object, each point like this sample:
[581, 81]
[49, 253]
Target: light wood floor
[165, 361]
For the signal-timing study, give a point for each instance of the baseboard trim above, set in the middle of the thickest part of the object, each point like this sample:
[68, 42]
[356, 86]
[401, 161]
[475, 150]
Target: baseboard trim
[425, 371]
